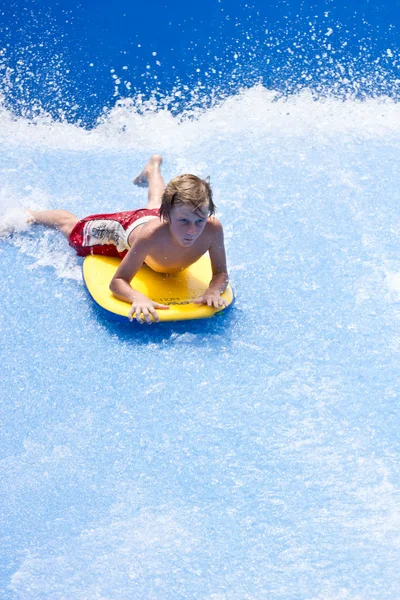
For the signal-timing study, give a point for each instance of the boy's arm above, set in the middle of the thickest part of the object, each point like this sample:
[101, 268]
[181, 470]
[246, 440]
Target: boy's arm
[219, 281]
[143, 308]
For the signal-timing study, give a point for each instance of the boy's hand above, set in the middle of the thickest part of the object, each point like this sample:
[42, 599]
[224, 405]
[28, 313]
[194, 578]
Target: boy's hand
[211, 299]
[144, 309]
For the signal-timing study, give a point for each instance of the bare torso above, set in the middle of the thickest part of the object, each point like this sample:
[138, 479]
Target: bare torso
[166, 255]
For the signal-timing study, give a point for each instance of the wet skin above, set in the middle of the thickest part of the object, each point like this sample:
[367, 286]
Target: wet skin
[168, 247]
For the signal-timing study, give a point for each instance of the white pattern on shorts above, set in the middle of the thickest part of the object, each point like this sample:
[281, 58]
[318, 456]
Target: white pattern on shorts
[101, 232]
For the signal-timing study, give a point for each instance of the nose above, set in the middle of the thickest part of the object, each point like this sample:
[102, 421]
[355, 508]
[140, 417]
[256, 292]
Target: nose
[191, 228]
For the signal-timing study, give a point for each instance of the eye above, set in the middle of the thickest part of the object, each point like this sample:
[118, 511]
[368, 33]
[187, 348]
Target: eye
[200, 221]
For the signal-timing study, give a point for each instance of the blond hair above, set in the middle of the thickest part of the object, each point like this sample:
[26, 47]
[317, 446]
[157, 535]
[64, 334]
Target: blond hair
[189, 190]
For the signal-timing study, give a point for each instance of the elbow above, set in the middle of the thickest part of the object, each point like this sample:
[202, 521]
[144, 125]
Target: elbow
[113, 285]
[118, 287]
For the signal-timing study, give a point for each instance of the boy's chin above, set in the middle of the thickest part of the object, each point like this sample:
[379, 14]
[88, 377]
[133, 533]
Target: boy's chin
[184, 242]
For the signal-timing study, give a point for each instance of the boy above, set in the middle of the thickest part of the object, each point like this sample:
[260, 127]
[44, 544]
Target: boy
[174, 230]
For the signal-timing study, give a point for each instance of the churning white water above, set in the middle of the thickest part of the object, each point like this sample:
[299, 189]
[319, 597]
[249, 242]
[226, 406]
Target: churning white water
[251, 456]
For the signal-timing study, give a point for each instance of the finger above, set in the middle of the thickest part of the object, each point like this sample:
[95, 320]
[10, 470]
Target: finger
[130, 313]
[220, 302]
[198, 300]
[146, 316]
[138, 317]
[162, 306]
[154, 314]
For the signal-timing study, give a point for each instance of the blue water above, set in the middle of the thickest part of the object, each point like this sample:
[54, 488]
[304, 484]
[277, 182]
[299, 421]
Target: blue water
[251, 456]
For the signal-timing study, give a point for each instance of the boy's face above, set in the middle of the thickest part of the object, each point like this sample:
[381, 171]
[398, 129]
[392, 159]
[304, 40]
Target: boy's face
[185, 224]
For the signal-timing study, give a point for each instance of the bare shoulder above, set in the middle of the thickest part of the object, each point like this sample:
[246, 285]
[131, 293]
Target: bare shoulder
[214, 229]
[154, 226]
[148, 232]
[214, 222]
[214, 225]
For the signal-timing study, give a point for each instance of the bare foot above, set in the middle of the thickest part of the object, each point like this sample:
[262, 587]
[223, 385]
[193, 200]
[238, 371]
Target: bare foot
[142, 180]
[14, 220]
[29, 216]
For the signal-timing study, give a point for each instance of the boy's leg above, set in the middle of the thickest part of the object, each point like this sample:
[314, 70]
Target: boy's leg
[63, 220]
[151, 176]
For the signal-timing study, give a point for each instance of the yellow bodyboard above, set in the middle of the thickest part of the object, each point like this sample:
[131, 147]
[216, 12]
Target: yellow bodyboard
[178, 290]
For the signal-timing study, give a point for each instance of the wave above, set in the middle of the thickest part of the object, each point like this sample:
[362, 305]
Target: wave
[135, 123]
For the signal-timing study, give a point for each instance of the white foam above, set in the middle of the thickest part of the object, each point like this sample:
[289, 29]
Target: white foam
[132, 124]
[392, 281]
[47, 247]
[13, 220]
[50, 249]
[13, 205]
[123, 551]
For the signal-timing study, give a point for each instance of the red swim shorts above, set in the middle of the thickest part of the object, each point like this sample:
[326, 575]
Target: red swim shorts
[107, 234]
